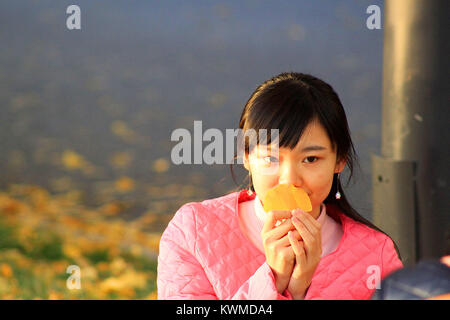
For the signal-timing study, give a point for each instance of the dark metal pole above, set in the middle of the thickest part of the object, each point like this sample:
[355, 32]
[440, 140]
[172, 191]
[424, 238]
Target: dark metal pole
[411, 178]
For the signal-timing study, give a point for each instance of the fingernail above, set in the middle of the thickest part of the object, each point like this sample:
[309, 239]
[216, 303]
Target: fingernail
[297, 212]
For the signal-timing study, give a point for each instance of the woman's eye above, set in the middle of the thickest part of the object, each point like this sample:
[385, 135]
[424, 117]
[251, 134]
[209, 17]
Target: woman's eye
[270, 159]
[310, 159]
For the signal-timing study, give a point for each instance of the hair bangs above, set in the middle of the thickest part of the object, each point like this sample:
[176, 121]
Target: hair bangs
[287, 109]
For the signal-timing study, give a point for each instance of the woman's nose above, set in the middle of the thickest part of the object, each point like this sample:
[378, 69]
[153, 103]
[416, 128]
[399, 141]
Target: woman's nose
[289, 174]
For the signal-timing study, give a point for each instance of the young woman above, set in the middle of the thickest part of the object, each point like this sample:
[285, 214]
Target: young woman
[230, 248]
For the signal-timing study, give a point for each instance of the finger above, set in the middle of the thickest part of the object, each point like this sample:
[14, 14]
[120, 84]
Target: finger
[310, 218]
[314, 227]
[273, 217]
[307, 220]
[280, 231]
[312, 224]
[300, 256]
[311, 242]
[284, 241]
[299, 250]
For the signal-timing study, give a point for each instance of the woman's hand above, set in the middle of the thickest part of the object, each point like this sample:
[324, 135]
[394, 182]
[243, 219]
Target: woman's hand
[307, 252]
[279, 254]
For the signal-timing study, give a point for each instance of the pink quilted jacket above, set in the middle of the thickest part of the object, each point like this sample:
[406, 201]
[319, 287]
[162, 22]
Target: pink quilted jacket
[204, 255]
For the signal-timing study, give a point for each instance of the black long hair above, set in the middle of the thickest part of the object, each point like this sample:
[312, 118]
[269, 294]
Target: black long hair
[289, 102]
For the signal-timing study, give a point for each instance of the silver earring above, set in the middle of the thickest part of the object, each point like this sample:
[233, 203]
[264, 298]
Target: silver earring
[338, 194]
[250, 192]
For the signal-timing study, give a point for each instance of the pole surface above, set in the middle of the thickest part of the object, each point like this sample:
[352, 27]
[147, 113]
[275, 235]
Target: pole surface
[415, 124]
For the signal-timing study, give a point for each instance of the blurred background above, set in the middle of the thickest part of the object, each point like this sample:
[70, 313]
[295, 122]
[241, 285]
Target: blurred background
[86, 117]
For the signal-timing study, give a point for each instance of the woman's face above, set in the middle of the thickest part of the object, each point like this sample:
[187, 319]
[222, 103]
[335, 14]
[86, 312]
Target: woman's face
[310, 165]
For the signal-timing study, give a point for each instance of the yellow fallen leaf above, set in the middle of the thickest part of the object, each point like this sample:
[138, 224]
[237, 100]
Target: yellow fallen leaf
[124, 184]
[71, 251]
[10, 206]
[72, 160]
[121, 159]
[124, 284]
[147, 219]
[59, 266]
[121, 129]
[161, 165]
[136, 250]
[89, 272]
[103, 266]
[6, 270]
[5, 286]
[152, 241]
[286, 197]
[53, 295]
[118, 265]
[112, 208]
[152, 296]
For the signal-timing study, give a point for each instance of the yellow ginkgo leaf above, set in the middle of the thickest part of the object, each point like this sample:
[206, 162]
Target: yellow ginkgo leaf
[287, 197]
[161, 165]
[123, 131]
[124, 184]
[112, 208]
[123, 283]
[121, 160]
[6, 270]
[72, 160]
[152, 296]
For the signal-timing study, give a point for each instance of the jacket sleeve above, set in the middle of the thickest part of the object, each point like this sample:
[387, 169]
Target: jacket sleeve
[390, 259]
[261, 286]
[182, 277]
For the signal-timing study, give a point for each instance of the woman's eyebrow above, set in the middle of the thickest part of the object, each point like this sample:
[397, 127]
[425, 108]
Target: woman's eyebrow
[313, 148]
[305, 149]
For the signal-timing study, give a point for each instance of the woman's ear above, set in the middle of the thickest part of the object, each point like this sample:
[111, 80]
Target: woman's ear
[246, 162]
[340, 165]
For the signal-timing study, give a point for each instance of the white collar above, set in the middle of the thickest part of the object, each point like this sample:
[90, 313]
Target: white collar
[331, 231]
